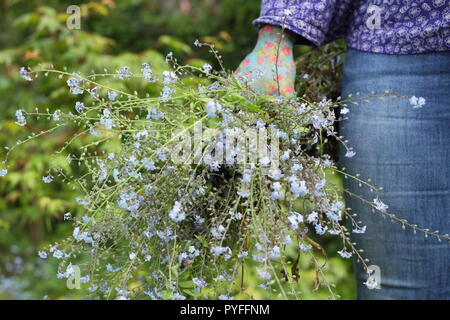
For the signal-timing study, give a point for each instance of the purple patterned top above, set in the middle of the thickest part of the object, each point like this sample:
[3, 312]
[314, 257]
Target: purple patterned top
[383, 26]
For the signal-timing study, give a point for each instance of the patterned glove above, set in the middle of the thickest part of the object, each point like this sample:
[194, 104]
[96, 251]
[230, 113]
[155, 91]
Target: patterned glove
[259, 71]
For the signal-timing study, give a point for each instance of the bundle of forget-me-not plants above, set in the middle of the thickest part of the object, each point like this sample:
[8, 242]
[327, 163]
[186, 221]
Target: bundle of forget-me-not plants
[203, 180]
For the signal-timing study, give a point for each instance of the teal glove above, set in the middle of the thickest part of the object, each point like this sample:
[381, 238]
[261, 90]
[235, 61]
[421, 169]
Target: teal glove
[259, 71]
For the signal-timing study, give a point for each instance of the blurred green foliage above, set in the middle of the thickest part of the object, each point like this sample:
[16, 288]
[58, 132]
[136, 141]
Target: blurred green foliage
[112, 34]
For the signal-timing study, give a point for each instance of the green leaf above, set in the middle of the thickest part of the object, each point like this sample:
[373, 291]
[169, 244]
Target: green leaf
[186, 284]
[175, 44]
[202, 241]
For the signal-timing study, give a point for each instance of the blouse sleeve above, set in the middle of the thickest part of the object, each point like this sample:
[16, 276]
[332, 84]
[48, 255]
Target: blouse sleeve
[318, 21]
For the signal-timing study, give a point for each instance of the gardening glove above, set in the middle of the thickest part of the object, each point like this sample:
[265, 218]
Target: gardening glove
[259, 71]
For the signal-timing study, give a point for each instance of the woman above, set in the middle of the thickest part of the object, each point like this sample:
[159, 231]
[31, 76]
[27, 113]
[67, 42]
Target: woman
[401, 46]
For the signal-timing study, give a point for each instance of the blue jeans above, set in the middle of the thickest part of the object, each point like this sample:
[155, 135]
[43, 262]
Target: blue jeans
[406, 151]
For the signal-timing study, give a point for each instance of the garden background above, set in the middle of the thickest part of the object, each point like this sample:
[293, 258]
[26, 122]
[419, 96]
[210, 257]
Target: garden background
[113, 34]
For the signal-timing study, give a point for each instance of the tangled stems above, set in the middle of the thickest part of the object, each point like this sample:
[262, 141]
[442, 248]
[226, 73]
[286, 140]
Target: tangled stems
[165, 226]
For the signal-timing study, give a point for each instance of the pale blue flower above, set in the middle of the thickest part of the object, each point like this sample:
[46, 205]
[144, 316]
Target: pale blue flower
[199, 283]
[218, 250]
[207, 68]
[123, 72]
[282, 135]
[24, 73]
[47, 179]
[312, 217]
[177, 214]
[327, 163]
[217, 232]
[199, 191]
[21, 121]
[147, 72]
[75, 84]
[169, 57]
[285, 156]
[110, 268]
[166, 93]
[106, 120]
[276, 174]
[155, 114]
[58, 254]
[212, 108]
[304, 247]
[276, 186]
[243, 193]
[85, 279]
[275, 195]
[79, 106]
[56, 115]
[264, 162]
[360, 230]
[298, 189]
[287, 240]
[371, 283]
[379, 205]
[177, 296]
[243, 254]
[350, 153]
[112, 95]
[318, 121]
[82, 201]
[275, 252]
[417, 102]
[320, 230]
[169, 77]
[93, 132]
[345, 254]
[264, 274]
[333, 216]
[337, 206]
[130, 201]
[296, 167]
[295, 219]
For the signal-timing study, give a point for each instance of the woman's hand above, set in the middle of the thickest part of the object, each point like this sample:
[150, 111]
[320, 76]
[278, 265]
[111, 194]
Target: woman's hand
[260, 71]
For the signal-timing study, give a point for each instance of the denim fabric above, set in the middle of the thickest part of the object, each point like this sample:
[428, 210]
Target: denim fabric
[406, 151]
